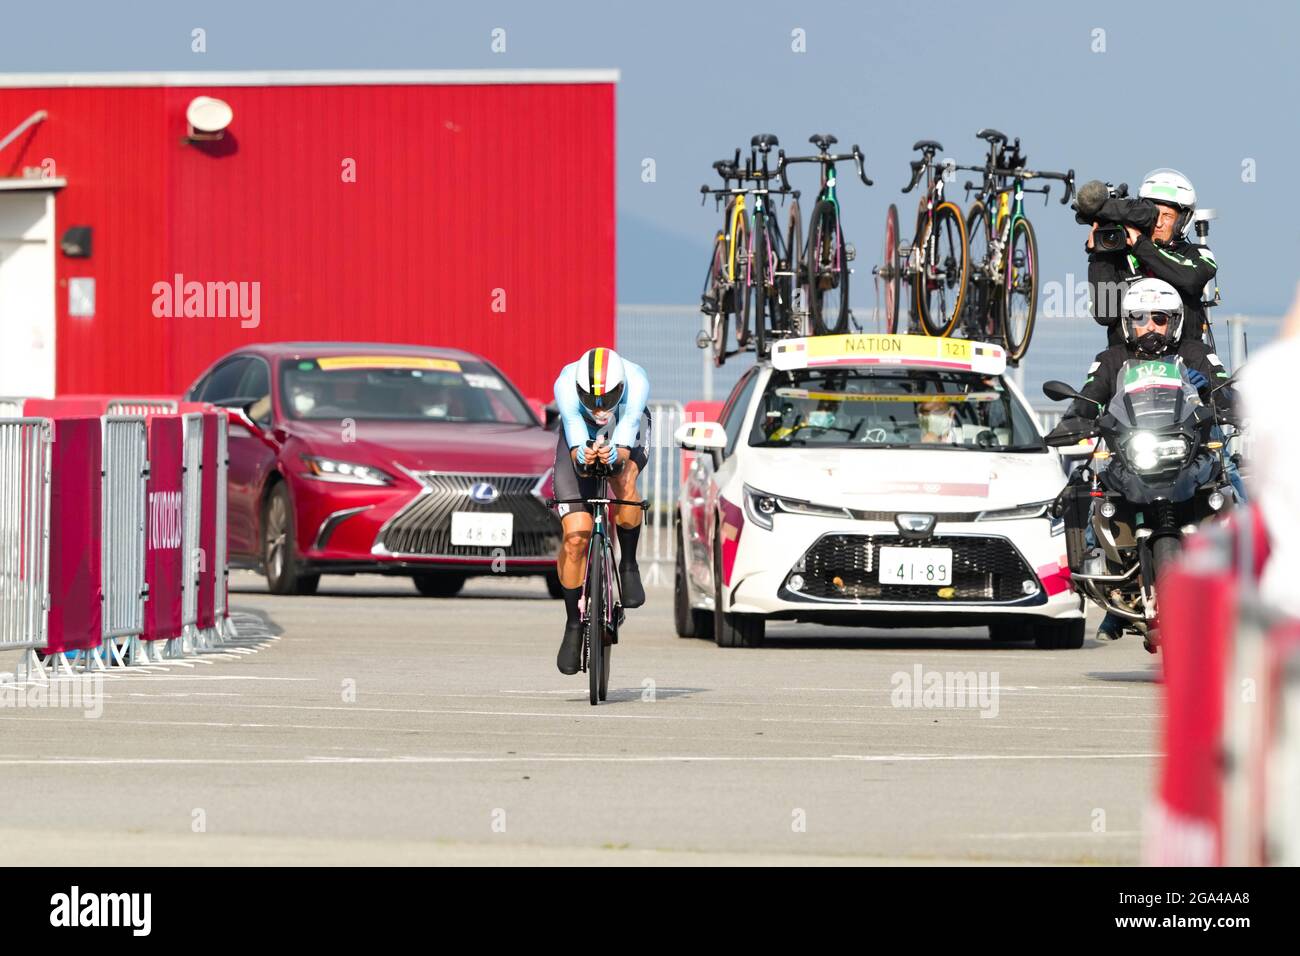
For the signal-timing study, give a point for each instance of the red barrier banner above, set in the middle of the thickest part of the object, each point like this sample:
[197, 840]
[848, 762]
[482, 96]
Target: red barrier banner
[76, 463]
[208, 569]
[164, 561]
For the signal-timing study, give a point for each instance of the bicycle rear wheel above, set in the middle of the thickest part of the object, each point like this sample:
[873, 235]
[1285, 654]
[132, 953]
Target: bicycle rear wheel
[941, 276]
[828, 272]
[596, 649]
[716, 294]
[889, 264]
[1021, 290]
[793, 284]
[740, 280]
[757, 300]
[977, 310]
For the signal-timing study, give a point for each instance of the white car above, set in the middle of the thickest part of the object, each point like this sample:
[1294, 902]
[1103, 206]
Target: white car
[880, 480]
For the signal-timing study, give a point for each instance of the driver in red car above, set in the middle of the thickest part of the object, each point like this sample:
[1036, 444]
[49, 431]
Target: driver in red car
[602, 403]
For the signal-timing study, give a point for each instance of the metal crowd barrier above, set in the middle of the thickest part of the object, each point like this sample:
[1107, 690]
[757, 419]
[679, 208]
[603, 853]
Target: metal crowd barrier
[191, 503]
[25, 536]
[141, 406]
[221, 587]
[126, 474]
[659, 487]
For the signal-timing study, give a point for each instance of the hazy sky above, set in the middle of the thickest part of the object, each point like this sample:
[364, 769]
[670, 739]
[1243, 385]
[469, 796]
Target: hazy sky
[1204, 87]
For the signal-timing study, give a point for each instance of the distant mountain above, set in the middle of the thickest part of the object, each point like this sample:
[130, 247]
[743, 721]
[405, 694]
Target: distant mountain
[658, 267]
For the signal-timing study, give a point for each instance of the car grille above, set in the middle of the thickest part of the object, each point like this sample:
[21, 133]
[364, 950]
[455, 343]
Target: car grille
[845, 567]
[423, 527]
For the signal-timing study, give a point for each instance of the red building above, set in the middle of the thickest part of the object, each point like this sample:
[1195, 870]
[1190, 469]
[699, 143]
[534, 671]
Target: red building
[142, 234]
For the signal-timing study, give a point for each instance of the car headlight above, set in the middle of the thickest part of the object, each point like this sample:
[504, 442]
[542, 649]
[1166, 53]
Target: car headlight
[759, 507]
[344, 472]
[1149, 452]
[1035, 509]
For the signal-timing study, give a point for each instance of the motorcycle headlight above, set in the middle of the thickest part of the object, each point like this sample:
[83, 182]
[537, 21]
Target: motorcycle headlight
[1148, 452]
[344, 472]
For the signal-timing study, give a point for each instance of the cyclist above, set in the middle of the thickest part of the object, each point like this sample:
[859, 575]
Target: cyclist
[602, 403]
[1152, 329]
[1166, 254]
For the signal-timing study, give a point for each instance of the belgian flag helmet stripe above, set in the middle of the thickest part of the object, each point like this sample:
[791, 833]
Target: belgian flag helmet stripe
[596, 373]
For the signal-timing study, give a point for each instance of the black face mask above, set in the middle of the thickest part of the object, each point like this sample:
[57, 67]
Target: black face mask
[1153, 343]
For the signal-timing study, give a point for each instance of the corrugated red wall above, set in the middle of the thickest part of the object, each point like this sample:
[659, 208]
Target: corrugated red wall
[460, 191]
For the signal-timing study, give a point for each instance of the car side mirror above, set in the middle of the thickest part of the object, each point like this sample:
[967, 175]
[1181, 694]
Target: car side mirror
[701, 436]
[552, 417]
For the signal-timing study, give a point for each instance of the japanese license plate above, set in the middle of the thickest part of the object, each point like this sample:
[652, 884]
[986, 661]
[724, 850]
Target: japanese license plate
[921, 566]
[484, 529]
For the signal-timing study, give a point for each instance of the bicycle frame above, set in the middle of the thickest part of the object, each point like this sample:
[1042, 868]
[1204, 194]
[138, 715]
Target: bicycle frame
[600, 539]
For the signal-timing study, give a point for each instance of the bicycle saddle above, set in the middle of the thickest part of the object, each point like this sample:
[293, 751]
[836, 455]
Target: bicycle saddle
[822, 141]
[992, 135]
[927, 145]
[764, 141]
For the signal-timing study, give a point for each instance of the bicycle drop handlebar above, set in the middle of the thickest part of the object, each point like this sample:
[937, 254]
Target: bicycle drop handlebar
[824, 158]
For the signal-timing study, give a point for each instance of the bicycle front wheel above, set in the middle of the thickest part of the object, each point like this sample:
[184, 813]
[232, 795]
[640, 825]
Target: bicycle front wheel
[1021, 292]
[828, 272]
[595, 609]
[940, 281]
[888, 270]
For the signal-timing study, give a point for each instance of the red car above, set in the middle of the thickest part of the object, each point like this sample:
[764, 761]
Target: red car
[350, 458]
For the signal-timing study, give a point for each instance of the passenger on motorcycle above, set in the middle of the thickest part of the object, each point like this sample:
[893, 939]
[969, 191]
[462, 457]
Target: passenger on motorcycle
[1152, 328]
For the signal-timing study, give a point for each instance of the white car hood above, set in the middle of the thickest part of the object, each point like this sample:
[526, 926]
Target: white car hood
[903, 479]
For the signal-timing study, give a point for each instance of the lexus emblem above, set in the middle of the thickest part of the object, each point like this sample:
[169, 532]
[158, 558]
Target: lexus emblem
[484, 493]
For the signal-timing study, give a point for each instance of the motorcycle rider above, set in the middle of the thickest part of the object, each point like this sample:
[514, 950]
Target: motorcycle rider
[1166, 254]
[1152, 328]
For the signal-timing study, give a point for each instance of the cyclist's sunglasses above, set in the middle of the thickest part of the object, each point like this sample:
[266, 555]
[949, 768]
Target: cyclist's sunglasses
[1152, 318]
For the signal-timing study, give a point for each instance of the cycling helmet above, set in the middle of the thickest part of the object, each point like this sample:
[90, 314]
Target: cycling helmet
[1172, 188]
[601, 380]
[1148, 297]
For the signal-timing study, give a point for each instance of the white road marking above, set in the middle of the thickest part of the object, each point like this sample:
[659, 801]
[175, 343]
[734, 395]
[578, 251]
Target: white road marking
[577, 758]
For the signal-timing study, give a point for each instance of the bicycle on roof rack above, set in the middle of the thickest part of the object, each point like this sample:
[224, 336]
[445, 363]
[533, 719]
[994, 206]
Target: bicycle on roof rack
[819, 274]
[935, 263]
[1001, 302]
[743, 279]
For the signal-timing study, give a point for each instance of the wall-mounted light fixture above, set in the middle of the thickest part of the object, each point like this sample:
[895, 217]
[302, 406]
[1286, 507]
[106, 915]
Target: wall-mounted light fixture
[76, 242]
[208, 118]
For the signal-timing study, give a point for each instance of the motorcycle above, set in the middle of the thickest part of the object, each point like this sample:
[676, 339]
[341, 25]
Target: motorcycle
[1159, 470]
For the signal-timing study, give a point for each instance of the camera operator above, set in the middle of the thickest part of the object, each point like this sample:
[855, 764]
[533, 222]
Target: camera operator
[1144, 238]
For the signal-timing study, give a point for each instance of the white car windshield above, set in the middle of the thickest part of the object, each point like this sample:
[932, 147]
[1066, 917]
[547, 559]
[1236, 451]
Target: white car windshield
[892, 407]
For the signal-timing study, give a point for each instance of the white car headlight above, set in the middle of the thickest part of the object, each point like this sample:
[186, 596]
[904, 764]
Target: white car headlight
[1035, 509]
[759, 507]
[344, 472]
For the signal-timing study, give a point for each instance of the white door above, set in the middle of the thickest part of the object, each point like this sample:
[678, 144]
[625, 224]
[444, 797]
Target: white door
[27, 293]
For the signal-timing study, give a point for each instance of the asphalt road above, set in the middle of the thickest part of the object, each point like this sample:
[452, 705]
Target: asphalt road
[371, 725]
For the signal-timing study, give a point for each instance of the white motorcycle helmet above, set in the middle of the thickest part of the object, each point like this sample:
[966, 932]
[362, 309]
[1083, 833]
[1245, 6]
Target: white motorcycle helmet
[1145, 298]
[1172, 188]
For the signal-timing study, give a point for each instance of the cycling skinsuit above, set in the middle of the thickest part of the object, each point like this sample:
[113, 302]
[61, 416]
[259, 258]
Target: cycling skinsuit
[628, 427]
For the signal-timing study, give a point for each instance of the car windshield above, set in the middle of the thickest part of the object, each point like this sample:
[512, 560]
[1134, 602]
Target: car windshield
[892, 407]
[398, 388]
